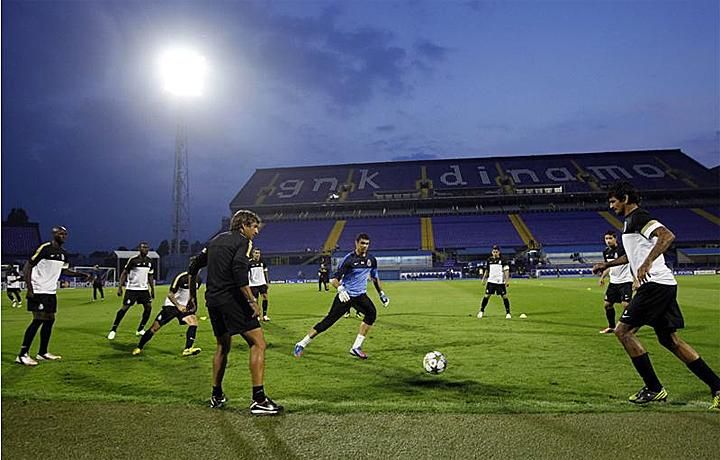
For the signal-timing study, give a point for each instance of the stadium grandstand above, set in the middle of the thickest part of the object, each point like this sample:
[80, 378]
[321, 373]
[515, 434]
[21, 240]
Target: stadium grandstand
[547, 211]
[20, 237]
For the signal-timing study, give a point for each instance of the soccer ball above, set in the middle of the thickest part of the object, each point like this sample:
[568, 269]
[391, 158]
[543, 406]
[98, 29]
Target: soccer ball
[435, 362]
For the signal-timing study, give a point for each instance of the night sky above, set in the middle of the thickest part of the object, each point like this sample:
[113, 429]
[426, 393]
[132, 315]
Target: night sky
[88, 134]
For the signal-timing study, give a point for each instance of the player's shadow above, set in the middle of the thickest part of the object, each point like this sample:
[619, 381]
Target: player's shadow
[420, 383]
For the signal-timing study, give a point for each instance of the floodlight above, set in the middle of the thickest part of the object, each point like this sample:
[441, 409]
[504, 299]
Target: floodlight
[182, 72]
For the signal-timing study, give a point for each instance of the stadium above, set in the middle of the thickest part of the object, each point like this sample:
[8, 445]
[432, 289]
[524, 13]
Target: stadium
[360, 230]
[431, 216]
[425, 219]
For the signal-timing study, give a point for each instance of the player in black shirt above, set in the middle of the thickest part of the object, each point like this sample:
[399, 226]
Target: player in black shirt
[232, 307]
[323, 277]
[98, 277]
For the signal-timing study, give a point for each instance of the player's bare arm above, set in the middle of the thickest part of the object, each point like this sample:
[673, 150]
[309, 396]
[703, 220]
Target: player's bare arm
[247, 292]
[151, 284]
[506, 273]
[664, 239]
[123, 280]
[171, 297]
[604, 275]
[602, 266]
[68, 272]
[383, 297]
[27, 272]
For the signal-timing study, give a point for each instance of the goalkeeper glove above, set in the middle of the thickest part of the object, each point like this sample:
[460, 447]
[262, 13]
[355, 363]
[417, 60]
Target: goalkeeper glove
[343, 294]
[384, 299]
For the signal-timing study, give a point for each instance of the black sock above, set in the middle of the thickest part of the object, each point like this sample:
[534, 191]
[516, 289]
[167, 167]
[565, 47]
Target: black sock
[704, 373]
[217, 391]
[118, 317]
[145, 338]
[644, 367]
[610, 315]
[29, 336]
[145, 318]
[190, 336]
[45, 332]
[264, 305]
[484, 303]
[507, 305]
[258, 393]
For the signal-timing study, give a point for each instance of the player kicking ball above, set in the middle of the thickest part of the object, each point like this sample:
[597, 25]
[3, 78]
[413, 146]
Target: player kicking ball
[177, 305]
[351, 284]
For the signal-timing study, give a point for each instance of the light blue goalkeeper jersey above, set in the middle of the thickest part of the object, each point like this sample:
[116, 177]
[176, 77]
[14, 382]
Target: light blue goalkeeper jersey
[354, 271]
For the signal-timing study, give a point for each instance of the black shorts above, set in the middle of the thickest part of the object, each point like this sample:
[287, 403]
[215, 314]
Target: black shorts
[495, 288]
[232, 318]
[654, 305]
[361, 303]
[169, 312]
[617, 293]
[133, 297]
[40, 303]
[262, 289]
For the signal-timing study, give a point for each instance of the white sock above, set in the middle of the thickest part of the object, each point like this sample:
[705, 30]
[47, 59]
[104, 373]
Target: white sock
[304, 342]
[359, 341]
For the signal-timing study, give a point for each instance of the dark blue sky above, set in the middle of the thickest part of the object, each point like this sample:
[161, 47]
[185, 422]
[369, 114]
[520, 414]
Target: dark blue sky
[88, 136]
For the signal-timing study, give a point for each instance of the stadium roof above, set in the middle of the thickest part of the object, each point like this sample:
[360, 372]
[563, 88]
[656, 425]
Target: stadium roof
[667, 170]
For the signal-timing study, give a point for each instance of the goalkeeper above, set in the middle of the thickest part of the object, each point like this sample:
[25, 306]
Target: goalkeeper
[350, 280]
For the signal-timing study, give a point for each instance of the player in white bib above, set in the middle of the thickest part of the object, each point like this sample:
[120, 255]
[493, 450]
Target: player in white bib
[42, 272]
[259, 280]
[621, 281]
[137, 277]
[13, 286]
[497, 274]
[177, 305]
[655, 302]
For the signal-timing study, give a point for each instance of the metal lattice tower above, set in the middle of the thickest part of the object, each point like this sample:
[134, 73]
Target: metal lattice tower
[181, 195]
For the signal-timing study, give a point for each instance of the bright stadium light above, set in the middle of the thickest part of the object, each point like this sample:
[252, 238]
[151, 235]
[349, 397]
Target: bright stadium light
[182, 72]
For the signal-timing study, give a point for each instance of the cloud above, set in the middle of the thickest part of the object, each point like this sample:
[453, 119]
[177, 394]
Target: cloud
[316, 55]
[430, 51]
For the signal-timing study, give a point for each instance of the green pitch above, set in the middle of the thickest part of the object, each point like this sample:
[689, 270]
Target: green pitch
[551, 364]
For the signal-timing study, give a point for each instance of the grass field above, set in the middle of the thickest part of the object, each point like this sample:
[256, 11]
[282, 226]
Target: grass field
[543, 386]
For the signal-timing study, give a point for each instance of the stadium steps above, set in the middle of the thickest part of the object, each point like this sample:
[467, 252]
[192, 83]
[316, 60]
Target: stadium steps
[614, 221]
[427, 237]
[266, 191]
[522, 229]
[424, 185]
[677, 174]
[334, 236]
[703, 213]
[584, 176]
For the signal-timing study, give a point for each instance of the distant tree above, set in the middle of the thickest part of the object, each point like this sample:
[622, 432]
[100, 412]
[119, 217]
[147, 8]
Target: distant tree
[196, 247]
[184, 246]
[17, 216]
[122, 248]
[164, 248]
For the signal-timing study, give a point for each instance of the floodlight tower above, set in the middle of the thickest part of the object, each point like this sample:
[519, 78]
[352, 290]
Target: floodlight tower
[183, 74]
